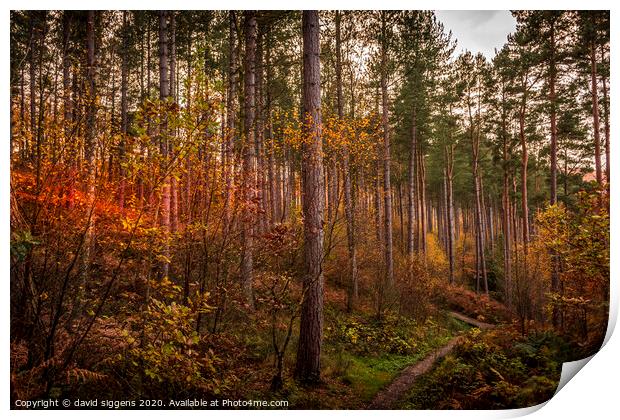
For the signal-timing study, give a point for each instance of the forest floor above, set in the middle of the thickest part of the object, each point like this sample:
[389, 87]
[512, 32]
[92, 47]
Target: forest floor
[395, 391]
[467, 353]
[361, 356]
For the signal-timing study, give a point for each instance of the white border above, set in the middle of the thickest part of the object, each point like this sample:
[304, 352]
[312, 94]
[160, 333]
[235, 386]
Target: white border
[592, 395]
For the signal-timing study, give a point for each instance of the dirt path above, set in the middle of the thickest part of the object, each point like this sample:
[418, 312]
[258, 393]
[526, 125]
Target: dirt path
[391, 394]
[471, 321]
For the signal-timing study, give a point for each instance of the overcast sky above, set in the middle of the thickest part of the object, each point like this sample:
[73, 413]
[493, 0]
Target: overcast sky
[478, 30]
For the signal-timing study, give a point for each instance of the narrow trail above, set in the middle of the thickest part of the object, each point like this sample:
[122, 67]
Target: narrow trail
[471, 321]
[392, 393]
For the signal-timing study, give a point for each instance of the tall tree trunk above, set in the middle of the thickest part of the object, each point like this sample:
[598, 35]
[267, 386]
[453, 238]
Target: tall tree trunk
[479, 232]
[188, 160]
[606, 119]
[524, 163]
[274, 202]
[377, 200]
[450, 209]
[37, 39]
[308, 366]
[249, 176]
[124, 83]
[22, 114]
[422, 200]
[387, 194]
[66, 77]
[32, 69]
[595, 116]
[174, 188]
[506, 211]
[231, 96]
[401, 216]
[411, 202]
[490, 225]
[259, 136]
[164, 93]
[348, 198]
[552, 101]
[89, 157]
[555, 263]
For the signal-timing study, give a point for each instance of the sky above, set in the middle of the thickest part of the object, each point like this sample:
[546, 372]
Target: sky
[478, 30]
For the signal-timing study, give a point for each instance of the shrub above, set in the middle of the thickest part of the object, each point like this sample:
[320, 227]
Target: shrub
[492, 370]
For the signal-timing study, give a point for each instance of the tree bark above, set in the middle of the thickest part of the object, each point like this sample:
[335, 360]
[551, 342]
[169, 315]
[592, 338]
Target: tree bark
[606, 119]
[174, 187]
[479, 232]
[32, 69]
[524, 162]
[231, 96]
[377, 199]
[450, 210]
[348, 198]
[411, 191]
[124, 83]
[271, 164]
[164, 93]
[249, 176]
[387, 194]
[506, 211]
[89, 158]
[595, 116]
[308, 366]
[422, 201]
[552, 101]
[555, 263]
[261, 198]
[66, 76]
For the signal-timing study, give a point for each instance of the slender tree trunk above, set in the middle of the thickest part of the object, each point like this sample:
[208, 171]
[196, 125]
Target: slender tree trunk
[450, 210]
[595, 116]
[174, 187]
[287, 183]
[387, 194]
[164, 93]
[274, 202]
[411, 202]
[606, 119]
[479, 232]
[247, 263]
[231, 96]
[552, 100]
[259, 136]
[32, 82]
[524, 163]
[348, 198]
[506, 213]
[188, 160]
[89, 157]
[490, 223]
[555, 263]
[22, 115]
[124, 83]
[66, 76]
[422, 200]
[38, 45]
[308, 366]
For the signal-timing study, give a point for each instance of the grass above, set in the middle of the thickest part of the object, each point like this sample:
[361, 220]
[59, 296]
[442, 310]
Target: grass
[352, 378]
[361, 355]
[368, 375]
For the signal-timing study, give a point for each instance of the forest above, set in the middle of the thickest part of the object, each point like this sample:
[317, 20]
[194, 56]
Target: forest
[304, 209]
